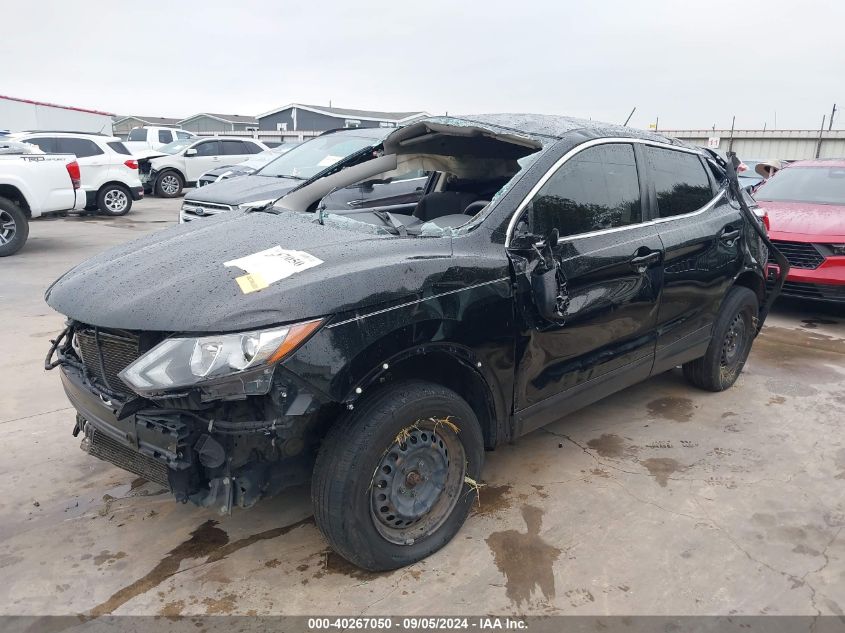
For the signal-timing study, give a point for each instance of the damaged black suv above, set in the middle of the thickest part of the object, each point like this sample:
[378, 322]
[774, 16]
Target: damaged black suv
[379, 351]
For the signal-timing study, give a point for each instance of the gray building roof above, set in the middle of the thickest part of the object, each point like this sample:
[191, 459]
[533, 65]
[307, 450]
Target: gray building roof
[228, 118]
[149, 120]
[371, 115]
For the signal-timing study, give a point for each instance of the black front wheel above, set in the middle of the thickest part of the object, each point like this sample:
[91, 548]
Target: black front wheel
[394, 480]
[14, 228]
[730, 343]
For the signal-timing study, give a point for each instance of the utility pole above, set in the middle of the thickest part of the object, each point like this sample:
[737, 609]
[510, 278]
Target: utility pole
[625, 124]
[821, 131]
[832, 114]
[731, 141]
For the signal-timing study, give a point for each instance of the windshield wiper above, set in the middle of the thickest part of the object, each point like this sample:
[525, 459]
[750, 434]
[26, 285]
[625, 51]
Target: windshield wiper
[288, 176]
[268, 208]
[389, 220]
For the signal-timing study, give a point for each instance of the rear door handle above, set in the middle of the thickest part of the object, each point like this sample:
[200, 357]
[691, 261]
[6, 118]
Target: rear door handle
[729, 234]
[641, 262]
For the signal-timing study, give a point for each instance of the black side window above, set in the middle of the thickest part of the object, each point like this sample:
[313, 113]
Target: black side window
[47, 145]
[119, 147]
[209, 148]
[165, 136]
[596, 189]
[82, 147]
[679, 180]
[252, 148]
[231, 148]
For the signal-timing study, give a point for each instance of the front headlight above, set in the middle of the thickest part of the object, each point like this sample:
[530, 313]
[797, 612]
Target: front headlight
[246, 357]
[838, 249]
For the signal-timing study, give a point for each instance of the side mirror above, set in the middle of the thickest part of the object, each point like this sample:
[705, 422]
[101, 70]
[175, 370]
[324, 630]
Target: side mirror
[190, 152]
[548, 288]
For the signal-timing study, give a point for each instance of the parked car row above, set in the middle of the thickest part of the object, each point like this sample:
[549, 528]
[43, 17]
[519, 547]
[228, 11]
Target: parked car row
[378, 344]
[245, 168]
[109, 172]
[172, 167]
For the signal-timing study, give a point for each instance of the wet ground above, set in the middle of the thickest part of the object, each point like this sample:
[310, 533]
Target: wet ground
[659, 500]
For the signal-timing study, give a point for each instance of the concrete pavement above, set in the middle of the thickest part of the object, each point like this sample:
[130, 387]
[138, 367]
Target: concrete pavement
[659, 500]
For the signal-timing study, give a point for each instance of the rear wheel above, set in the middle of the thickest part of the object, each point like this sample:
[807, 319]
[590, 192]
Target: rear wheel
[730, 344]
[169, 184]
[114, 200]
[14, 228]
[393, 481]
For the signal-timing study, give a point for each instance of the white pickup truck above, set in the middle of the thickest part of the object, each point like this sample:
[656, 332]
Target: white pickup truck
[151, 137]
[33, 185]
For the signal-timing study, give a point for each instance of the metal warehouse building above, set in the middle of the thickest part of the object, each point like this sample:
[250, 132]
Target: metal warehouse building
[763, 144]
[24, 114]
[207, 122]
[296, 116]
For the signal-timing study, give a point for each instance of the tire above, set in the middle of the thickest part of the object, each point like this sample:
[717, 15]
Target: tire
[14, 228]
[386, 491]
[169, 184]
[114, 200]
[730, 343]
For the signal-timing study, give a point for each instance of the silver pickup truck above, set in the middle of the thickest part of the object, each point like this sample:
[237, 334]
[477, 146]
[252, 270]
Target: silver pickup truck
[33, 184]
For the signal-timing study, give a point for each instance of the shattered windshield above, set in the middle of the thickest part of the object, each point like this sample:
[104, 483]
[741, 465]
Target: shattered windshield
[312, 157]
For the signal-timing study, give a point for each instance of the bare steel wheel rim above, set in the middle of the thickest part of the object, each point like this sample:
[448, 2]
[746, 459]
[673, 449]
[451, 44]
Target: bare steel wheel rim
[169, 184]
[8, 228]
[734, 343]
[115, 200]
[417, 482]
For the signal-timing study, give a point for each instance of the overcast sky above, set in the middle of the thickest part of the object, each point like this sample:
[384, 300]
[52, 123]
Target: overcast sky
[692, 64]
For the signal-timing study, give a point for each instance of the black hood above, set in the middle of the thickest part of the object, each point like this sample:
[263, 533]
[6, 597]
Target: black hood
[240, 189]
[175, 280]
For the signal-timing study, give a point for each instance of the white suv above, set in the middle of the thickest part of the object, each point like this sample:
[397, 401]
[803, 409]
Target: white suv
[110, 177]
[180, 164]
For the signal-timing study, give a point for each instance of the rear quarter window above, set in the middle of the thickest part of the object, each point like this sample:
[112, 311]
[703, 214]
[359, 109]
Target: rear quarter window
[680, 181]
[82, 147]
[137, 134]
[119, 147]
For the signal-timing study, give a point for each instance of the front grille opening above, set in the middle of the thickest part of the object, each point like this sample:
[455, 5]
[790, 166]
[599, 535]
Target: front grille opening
[798, 254]
[105, 353]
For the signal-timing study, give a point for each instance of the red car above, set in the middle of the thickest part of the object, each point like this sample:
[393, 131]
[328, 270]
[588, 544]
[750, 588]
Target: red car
[805, 202]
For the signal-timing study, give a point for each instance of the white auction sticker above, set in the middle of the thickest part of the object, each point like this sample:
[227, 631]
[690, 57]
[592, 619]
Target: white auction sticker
[266, 267]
